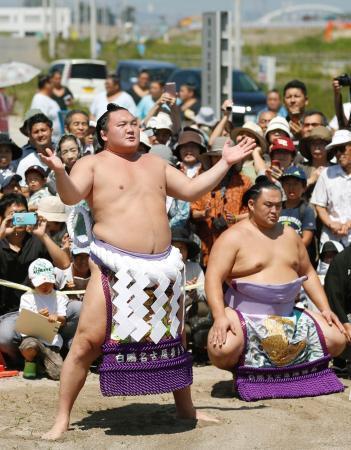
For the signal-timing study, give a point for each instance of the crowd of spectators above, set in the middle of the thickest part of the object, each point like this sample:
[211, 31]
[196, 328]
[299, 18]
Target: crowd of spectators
[296, 148]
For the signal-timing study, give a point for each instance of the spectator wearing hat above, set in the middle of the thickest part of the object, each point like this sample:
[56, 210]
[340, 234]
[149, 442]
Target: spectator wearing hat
[55, 213]
[337, 285]
[10, 184]
[144, 144]
[188, 150]
[277, 127]
[326, 255]
[254, 163]
[112, 94]
[332, 193]
[295, 212]
[282, 154]
[19, 247]
[36, 181]
[162, 127]
[47, 302]
[295, 101]
[205, 120]
[313, 149]
[222, 207]
[9, 152]
[42, 100]
[39, 129]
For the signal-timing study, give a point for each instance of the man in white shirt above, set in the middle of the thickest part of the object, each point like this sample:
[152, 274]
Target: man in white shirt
[113, 94]
[39, 129]
[47, 105]
[332, 194]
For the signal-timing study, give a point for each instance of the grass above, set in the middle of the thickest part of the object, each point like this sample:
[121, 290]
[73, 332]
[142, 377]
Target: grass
[304, 59]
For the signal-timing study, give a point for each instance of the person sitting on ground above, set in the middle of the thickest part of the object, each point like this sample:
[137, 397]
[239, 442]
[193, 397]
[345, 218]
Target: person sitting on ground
[295, 212]
[313, 149]
[221, 208]
[337, 285]
[10, 184]
[19, 247]
[61, 94]
[77, 276]
[77, 123]
[42, 100]
[52, 304]
[39, 129]
[35, 177]
[295, 101]
[9, 152]
[141, 87]
[332, 193]
[274, 349]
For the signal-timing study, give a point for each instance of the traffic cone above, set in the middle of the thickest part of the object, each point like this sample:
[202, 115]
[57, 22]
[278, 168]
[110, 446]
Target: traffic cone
[6, 373]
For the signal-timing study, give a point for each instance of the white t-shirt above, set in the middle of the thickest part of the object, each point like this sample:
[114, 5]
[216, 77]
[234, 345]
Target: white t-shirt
[56, 303]
[30, 160]
[99, 104]
[333, 192]
[51, 109]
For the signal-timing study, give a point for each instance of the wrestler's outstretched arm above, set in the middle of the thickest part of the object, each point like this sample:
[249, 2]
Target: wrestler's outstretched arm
[74, 187]
[219, 268]
[191, 189]
[313, 287]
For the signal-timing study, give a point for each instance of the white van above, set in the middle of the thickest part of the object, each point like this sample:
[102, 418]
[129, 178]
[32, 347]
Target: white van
[84, 77]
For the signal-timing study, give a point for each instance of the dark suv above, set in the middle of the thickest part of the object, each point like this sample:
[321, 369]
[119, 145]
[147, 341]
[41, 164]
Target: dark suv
[245, 92]
[129, 69]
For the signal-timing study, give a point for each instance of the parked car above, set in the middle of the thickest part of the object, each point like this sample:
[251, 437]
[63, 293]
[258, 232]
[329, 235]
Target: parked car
[84, 77]
[128, 70]
[245, 92]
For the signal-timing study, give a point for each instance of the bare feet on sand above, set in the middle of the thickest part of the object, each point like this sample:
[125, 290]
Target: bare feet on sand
[60, 427]
[196, 415]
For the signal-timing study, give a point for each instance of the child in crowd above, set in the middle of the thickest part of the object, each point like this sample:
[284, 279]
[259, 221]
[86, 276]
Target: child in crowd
[9, 152]
[296, 213]
[36, 181]
[10, 184]
[51, 304]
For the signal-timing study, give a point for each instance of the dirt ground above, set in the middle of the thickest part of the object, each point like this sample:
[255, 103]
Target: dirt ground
[28, 407]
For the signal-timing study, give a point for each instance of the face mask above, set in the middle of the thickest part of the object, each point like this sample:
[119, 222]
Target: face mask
[322, 268]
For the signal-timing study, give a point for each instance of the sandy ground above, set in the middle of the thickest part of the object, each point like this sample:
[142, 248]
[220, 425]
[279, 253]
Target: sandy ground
[28, 407]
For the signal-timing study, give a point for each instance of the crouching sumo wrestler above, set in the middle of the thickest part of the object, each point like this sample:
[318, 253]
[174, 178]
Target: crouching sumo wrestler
[132, 308]
[274, 349]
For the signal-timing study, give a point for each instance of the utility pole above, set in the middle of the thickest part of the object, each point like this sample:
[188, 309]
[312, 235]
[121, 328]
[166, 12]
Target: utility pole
[93, 43]
[77, 17]
[52, 35]
[237, 34]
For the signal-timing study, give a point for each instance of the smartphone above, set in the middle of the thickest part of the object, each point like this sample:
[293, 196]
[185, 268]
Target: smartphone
[275, 163]
[24, 219]
[170, 89]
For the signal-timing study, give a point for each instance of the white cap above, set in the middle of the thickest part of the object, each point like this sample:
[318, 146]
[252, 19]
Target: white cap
[341, 137]
[144, 139]
[41, 271]
[160, 122]
[278, 123]
[75, 250]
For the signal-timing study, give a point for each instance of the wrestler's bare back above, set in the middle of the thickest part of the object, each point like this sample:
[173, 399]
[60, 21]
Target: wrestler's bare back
[128, 201]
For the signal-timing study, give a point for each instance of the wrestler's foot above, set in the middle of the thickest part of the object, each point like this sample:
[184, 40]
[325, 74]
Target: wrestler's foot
[60, 427]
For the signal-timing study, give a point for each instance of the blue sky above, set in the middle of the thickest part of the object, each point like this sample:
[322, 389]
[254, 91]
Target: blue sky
[174, 9]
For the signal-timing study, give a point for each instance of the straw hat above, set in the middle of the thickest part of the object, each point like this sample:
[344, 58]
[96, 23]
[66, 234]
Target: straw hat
[318, 133]
[253, 130]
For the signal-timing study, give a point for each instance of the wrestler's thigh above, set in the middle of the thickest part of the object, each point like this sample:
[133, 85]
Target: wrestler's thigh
[92, 319]
[227, 355]
[334, 339]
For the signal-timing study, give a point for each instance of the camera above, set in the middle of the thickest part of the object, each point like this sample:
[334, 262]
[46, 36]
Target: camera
[344, 80]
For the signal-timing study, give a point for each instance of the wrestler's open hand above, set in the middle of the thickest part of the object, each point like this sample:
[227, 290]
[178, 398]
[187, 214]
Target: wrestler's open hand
[332, 318]
[232, 154]
[51, 160]
[218, 332]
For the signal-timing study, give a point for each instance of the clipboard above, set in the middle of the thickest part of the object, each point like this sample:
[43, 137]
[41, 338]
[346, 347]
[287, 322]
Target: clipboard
[36, 325]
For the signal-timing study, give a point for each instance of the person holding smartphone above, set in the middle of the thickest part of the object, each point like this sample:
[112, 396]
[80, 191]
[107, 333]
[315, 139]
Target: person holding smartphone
[295, 101]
